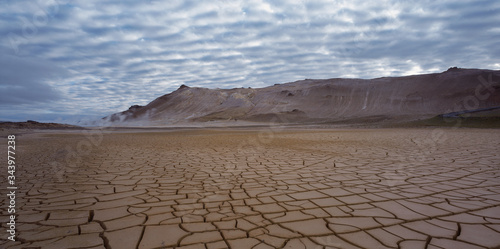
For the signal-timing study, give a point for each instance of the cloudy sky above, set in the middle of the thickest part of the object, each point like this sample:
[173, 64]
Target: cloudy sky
[65, 60]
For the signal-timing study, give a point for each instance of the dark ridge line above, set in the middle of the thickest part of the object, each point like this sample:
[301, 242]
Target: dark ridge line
[105, 240]
[459, 231]
[142, 234]
[427, 242]
[455, 114]
[91, 215]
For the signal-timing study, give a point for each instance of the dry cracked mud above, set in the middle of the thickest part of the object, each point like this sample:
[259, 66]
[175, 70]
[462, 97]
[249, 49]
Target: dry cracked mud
[267, 188]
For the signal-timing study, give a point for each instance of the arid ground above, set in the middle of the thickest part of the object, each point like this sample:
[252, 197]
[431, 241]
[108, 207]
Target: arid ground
[261, 188]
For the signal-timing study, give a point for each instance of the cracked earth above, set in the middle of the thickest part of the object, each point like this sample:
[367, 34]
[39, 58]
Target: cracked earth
[380, 188]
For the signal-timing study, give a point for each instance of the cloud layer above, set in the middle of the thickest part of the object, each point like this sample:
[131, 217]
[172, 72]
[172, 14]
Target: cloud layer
[70, 59]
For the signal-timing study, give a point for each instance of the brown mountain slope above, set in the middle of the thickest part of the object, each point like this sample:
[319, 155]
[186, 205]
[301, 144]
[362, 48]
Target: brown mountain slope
[392, 99]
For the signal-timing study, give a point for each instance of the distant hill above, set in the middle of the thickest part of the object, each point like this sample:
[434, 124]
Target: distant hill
[30, 124]
[343, 101]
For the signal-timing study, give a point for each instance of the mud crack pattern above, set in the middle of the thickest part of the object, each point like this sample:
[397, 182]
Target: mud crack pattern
[296, 189]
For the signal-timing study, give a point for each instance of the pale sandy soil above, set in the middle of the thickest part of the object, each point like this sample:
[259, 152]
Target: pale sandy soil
[371, 188]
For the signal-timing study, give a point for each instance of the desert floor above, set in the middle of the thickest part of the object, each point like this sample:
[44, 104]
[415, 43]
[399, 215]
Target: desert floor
[266, 188]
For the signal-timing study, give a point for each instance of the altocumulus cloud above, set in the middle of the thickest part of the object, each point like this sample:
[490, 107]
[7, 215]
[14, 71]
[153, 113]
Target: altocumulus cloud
[23, 81]
[63, 60]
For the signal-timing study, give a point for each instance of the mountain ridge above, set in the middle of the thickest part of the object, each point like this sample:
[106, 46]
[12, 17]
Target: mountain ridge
[401, 98]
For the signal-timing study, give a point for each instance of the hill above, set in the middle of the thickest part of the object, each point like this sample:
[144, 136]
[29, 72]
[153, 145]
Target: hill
[336, 101]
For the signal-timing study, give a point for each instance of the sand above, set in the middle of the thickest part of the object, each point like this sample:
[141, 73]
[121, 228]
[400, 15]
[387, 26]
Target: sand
[267, 188]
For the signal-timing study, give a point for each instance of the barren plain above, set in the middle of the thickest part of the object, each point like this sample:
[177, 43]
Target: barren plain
[257, 188]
